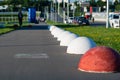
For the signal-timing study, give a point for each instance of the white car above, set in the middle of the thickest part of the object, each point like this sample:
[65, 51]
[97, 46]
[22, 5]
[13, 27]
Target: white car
[114, 20]
[70, 19]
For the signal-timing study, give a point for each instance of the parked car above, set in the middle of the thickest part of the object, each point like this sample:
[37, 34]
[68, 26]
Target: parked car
[70, 19]
[66, 21]
[81, 21]
[114, 20]
[42, 17]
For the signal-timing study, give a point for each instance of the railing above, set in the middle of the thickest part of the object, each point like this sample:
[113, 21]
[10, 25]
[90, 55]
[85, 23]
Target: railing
[11, 19]
[8, 17]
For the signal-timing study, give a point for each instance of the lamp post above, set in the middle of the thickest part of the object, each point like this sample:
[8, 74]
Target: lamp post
[68, 8]
[51, 10]
[55, 11]
[107, 15]
[58, 8]
[63, 11]
[73, 6]
[59, 1]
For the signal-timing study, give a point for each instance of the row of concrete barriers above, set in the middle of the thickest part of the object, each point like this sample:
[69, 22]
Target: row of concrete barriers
[97, 59]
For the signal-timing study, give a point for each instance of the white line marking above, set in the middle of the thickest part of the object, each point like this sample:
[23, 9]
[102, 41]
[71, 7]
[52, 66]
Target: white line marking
[34, 56]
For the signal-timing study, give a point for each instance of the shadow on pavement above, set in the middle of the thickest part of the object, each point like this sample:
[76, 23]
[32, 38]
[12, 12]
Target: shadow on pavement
[41, 26]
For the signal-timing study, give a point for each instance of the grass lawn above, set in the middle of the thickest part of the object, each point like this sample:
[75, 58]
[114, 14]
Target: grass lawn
[5, 30]
[103, 37]
[10, 27]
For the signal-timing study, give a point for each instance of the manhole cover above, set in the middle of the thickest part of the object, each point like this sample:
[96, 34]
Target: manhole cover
[25, 55]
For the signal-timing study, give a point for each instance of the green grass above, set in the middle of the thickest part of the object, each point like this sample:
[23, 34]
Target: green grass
[12, 23]
[103, 37]
[10, 27]
[5, 30]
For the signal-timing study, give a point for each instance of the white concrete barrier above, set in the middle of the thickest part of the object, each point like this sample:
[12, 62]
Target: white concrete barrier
[67, 39]
[55, 30]
[80, 45]
[61, 36]
[58, 32]
[52, 27]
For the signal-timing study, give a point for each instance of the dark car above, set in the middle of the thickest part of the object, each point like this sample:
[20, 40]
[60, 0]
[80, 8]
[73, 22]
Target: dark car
[81, 21]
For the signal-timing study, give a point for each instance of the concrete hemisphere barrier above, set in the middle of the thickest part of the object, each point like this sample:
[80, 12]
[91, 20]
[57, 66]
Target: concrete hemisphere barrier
[100, 59]
[58, 32]
[63, 34]
[55, 30]
[80, 45]
[68, 38]
[52, 27]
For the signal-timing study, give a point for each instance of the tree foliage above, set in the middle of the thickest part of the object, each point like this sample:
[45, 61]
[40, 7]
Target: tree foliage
[26, 3]
[116, 2]
[117, 7]
[100, 3]
[93, 3]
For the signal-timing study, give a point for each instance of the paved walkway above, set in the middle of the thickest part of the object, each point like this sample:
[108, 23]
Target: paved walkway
[33, 54]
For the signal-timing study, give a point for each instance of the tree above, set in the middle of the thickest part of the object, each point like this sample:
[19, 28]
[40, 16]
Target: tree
[100, 3]
[16, 4]
[93, 3]
[117, 7]
[26, 3]
[116, 2]
[13, 4]
[2, 3]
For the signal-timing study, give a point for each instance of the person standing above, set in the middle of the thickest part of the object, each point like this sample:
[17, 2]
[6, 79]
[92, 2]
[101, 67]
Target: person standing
[20, 16]
[93, 20]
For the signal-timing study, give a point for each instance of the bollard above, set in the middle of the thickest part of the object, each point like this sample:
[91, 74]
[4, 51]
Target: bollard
[100, 59]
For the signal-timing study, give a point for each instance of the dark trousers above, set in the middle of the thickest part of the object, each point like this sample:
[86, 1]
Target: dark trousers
[20, 21]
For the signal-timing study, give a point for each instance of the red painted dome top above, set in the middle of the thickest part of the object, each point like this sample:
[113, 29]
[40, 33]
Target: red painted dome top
[99, 59]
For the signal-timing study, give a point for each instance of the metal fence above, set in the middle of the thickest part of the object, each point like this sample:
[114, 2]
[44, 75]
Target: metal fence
[7, 17]
[11, 19]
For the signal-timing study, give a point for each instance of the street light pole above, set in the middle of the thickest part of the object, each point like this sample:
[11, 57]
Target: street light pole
[55, 11]
[73, 10]
[51, 10]
[58, 8]
[107, 15]
[63, 11]
[68, 9]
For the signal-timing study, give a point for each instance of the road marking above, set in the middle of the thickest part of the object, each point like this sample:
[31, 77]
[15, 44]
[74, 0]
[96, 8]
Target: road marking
[33, 56]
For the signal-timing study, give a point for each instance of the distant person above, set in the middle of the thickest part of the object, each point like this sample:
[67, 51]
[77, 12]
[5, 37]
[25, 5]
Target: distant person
[20, 16]
[93, 20]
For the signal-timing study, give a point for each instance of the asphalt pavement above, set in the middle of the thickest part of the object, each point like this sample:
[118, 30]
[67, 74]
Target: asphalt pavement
[98, 23]
[34, 54]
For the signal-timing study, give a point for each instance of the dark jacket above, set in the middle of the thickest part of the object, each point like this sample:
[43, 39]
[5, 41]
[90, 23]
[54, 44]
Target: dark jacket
[20, 15]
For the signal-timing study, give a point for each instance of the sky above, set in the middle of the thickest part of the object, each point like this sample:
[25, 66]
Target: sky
[72, 0]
